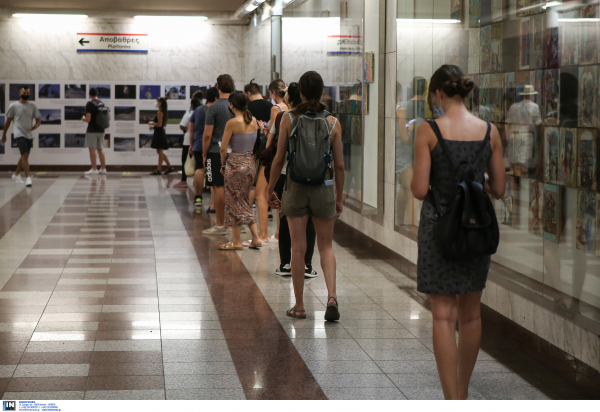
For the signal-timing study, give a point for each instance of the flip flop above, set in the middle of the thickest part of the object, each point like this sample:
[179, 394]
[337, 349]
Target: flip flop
[296, 313]
[332, 313]
[229, 246]
[156, 173]
[249, 244]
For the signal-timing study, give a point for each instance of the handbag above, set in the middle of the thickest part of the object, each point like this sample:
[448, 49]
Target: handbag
[190, 165]
[260, 144]
[469, 228]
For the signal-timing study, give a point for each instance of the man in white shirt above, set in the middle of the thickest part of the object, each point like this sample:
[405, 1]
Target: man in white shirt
[22, 113]
[184, 126]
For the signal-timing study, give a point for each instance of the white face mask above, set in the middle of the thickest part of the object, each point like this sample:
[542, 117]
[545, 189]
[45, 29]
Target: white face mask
[156, 105]
[273, 102]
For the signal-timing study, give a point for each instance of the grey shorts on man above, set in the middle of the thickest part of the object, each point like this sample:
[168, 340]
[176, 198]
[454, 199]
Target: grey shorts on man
[94, 140]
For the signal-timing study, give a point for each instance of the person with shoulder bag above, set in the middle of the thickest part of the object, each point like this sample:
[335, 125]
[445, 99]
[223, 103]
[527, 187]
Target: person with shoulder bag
[458, 232]
[313, 188]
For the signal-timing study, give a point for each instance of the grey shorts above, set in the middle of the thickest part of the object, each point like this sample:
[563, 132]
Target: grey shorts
[301, 200]
[94, 140]
[24, 144]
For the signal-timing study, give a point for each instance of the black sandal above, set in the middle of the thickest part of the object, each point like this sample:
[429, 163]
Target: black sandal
[332, 313]
[156, 173]
[171, 170]
[296, 313]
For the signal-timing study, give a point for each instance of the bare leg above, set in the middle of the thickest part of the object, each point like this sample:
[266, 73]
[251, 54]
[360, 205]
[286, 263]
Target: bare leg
[19, 166]
[444, 310]
[160, 159]
[199, 182]
[252, 197]
[166, 159]
[212, 197]
[324, 230]
[25, 164]
[220, 204]
[253, 230]
[298, 235]
[102, 159]
[93, 158]
[276, 211]
[469, 339]
[235, 236]
[263, 207]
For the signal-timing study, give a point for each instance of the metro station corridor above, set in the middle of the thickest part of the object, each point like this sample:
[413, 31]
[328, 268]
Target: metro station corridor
[110, 291]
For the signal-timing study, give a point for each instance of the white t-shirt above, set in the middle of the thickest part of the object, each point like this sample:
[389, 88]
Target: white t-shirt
[22, 116]
[185, 122]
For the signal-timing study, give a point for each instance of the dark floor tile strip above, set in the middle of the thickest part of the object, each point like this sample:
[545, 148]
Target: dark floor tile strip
[267, 362]
[14, 209]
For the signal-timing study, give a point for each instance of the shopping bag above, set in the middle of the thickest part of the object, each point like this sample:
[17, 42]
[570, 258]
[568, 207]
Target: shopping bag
[190, 165]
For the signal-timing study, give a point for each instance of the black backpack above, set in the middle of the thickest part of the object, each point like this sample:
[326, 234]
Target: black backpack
[469, 228]
[103, 116]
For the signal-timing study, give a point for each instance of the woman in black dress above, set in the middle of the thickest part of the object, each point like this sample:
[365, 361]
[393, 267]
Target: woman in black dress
[454, 286]
[159, 140]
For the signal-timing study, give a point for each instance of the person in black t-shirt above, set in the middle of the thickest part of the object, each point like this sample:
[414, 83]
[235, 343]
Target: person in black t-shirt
[259, 107]
[94, 136]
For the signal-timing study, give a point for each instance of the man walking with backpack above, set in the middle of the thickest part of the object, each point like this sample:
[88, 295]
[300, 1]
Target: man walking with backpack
[97, 118]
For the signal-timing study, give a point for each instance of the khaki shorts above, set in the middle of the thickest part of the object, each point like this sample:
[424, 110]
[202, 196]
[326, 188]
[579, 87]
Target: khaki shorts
[94, 140]
[301, 200]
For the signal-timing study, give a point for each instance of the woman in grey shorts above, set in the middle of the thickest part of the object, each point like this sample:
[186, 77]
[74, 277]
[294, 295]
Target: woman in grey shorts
[321, 202]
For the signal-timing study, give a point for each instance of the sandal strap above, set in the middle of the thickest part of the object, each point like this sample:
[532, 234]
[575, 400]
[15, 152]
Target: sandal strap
[331, 297]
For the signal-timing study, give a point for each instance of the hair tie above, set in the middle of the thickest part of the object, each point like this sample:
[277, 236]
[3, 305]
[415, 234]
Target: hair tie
[246, 108]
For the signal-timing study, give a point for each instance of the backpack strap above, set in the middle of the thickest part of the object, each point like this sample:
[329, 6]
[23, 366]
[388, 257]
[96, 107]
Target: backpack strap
[442, 143]
[484, 144]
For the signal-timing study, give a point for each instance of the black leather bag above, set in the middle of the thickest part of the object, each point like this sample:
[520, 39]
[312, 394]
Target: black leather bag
[260, 144]
[469, 227]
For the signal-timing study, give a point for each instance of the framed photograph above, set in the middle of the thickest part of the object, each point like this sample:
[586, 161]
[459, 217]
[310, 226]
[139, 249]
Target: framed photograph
[124, 144]
[474, 43]
[537, 48]
[175, 116]
[474, 6]
[149, 92]
[369, 66]
[569, 38]
[588, 35]
[15, 88]
[147, 116]
[49, 140]
[585, 237]
[552, 52]
[73, 113]
[106, 143]
[175, 140]
[496, 47]
[552, 212]
[588, 96]
[455, 9]
[50, 116]
[586, 159]
[49, 91]
[534, 218]
[2, 98]
[194, 89]
[145, 141]
[124, 113]
[486, 49]
[551, 155]
[525, 44]
[103, 90]
[74, 140]
[567, 169]
[551, 93]
[125, 91]
[175, 92]
[75, 91]
[508, 213]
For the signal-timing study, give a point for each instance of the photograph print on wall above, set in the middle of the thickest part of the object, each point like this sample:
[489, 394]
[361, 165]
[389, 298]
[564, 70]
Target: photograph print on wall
[175, 116]
[586, 159]
[534, 221]
[486, 49]
[552, 52]
[551, 155]
[194, 89]
[74, 112]
[124, 144]
[588, 96]
[474, 13]
[551, 93]
[103, 90]
[525, 44]
[175, 140]
[124, 113]
[147, 116]
[50, 116]
[585, 232]
[145, 141]
[588, 35]
[106, 143]
[74, 140]
[537, 48]
[552, 212]
[15, 90]
[2, 145]
[149, 92]
[567, 170]
[175, 92]
[49, 91]
[569, 39]
[2, 98]
[125, 92]
[75, 91]
[49, 140]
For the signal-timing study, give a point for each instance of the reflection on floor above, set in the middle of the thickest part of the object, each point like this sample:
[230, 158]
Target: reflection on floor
[110, 291]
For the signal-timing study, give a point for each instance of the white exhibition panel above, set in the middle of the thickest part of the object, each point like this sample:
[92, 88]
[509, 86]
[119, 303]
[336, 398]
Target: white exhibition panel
[128, 128]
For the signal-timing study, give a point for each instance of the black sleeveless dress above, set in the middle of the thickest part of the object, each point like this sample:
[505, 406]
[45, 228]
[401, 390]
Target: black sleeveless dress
[434, 273]
[159, 140]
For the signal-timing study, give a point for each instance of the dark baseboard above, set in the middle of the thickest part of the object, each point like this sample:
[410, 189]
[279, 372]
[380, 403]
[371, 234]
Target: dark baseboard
[73, 168]
[495, 325]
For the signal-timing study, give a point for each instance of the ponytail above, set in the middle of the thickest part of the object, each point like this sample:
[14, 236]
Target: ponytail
[311, 86]
[239, 100]
[247, 115]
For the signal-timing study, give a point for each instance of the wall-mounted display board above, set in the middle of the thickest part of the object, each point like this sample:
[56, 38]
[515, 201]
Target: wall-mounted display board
[61, 136]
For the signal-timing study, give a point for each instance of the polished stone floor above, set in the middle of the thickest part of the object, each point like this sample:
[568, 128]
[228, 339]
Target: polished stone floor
[109, 290]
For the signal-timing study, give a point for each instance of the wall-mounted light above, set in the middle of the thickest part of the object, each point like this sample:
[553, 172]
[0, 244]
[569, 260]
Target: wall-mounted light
[175, 18]
[251, 7]
[46, 16]
[430, 21]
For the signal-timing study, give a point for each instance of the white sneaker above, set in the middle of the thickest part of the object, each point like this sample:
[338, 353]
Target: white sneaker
[284, 270]
[273, 240]
[15, 177]
[215, 230]
[102, 172]
[18, 179]
[309, 273]
[91, 172]
[28, 182]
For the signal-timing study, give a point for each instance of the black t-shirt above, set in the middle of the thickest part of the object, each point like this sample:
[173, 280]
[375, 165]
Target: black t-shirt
[261, 109]
[93, 110]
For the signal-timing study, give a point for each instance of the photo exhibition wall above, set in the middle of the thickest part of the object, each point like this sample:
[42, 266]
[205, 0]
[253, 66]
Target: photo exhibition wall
[60, 138]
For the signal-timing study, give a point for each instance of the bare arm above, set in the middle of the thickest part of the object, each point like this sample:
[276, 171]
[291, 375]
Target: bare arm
[338, 166]
[183, 128]
[6, 126]
[401, 117]
[87, 118]
[38, 122]
[270, 137]
[496, 184]
[225, 142]
[208, 130]
[274, 111]
[285, 129]
[422, 163]
[192, 128]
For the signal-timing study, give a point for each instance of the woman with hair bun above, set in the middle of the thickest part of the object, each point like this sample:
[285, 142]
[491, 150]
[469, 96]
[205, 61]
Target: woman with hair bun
[454, 287]
[238, 169]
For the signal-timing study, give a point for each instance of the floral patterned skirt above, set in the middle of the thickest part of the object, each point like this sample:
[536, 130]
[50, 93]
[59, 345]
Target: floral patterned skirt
[239, 176]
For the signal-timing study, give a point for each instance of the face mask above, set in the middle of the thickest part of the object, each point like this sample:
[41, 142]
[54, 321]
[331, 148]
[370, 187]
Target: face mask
[231, 111]
[156, 105]
[25, 96]
[438, 110]
[273, 102]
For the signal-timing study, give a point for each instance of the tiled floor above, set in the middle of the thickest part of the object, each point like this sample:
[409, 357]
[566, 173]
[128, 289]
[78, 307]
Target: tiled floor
[110, 291]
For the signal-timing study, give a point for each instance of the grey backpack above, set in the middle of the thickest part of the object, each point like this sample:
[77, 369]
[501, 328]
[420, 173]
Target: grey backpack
[310, 147]
[103, 116]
